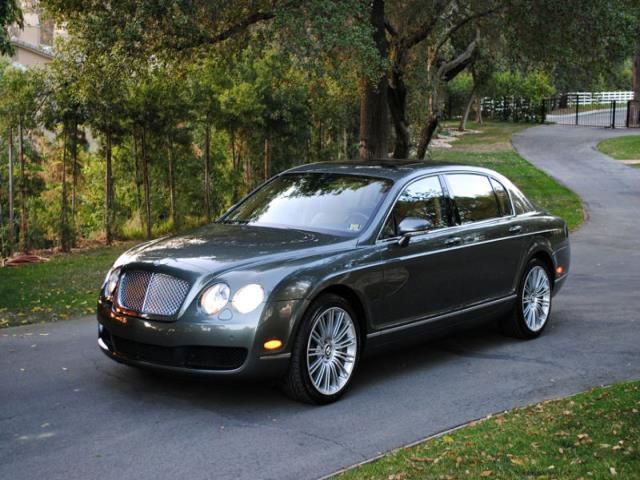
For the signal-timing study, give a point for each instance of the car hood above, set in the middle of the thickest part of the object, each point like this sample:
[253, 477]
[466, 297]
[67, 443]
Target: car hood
[216, 248]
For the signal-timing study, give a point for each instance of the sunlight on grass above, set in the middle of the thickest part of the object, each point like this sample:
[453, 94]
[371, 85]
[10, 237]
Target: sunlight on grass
[621, 148]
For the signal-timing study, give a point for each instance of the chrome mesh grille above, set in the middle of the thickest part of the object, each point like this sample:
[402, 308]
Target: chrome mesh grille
[151, 293]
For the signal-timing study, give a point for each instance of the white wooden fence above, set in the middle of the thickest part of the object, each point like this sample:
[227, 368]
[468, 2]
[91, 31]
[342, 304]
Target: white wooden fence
[589, 98]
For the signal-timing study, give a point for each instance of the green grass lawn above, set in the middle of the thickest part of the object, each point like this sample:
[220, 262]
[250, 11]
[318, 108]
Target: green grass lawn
[622, 148]
[493, 135]
[487, 149]
[591, 435]
[64, 287]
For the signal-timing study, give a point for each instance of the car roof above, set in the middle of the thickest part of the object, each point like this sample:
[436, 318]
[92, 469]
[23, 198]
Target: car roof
[390, 169]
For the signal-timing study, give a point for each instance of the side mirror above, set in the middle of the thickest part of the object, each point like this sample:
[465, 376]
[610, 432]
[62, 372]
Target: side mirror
[412, 225]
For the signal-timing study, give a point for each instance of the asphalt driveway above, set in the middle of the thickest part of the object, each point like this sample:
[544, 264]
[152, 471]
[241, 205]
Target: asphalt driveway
[67, 412]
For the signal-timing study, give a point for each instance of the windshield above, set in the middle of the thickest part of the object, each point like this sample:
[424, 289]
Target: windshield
[337, 203]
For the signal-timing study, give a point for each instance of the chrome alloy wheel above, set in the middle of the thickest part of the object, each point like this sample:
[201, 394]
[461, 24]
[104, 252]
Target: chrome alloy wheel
[331, 350]
[536, 298]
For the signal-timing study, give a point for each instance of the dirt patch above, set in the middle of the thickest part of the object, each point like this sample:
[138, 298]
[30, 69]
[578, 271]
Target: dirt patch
[483, 147]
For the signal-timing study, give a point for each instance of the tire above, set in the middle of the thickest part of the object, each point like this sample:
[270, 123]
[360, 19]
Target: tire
[326, 352]
[532, 311]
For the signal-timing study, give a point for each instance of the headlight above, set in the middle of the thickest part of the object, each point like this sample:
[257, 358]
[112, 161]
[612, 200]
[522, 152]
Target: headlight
[215, 298]
[110, 283]
[248, 298]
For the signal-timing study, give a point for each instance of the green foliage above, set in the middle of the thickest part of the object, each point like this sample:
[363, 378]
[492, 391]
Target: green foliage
[535, 85]
[10, 13]
[270, 84]
[266, 112]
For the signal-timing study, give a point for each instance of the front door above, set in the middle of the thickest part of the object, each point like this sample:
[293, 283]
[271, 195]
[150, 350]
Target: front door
[417, 276]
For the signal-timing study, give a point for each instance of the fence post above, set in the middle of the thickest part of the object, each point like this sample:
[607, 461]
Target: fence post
[613, 114]
[577, 106]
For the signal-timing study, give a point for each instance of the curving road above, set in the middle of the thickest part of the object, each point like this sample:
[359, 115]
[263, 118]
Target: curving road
[66, 412]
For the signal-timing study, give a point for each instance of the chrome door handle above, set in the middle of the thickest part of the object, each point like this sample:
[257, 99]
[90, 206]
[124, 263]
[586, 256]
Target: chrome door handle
[515, 229]
[453, 241]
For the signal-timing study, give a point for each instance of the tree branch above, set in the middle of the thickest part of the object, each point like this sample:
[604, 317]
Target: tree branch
[462, 23]
[393, 31]
[241, 26]
[423, 31]
[449, 70]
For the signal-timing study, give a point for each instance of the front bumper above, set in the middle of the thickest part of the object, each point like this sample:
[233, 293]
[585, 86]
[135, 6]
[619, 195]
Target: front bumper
[199, 347]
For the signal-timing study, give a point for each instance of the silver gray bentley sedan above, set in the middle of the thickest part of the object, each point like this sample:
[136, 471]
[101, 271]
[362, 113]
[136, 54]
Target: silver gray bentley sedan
[325, 261]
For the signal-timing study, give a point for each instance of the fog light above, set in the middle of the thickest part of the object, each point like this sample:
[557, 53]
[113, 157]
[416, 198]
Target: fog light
[272, 344]
[559, 270]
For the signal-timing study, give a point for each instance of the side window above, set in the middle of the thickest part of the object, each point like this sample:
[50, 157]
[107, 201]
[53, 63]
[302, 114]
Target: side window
[502, 196]
[474, 197]
[422, 199]
[520, 203]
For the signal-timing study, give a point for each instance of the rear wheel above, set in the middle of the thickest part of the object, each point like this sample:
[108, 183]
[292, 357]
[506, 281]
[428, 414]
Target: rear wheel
[533, 308]
[325, 352]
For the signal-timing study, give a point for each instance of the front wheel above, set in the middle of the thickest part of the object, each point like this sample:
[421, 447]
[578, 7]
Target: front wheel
[533, 308]
[325, 353]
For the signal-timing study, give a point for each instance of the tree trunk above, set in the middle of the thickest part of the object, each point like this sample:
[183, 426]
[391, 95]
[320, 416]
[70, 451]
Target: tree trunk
[345, 144]
[246, 170]
[478, 110]
[172, 188]
[12, 226]
[136, 171]
[374, 109]
[146, 184]
[397, 97]
[74, 181]
[23, 192]
[636, 75]
[445, 73]
[235, 161]
[207, 174]
[64, 236]
[467, 110]
[234, 152]
[427, 134]
[267, 156]
[398, 109]
[108, 207]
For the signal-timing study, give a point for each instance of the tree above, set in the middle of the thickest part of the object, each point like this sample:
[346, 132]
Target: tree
[102, 91]
[20, 100]
[64, 107]
[10, 14]
[207, 82]
[350, 32]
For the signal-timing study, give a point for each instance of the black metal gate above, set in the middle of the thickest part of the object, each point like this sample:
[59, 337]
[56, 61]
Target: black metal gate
[585, 109]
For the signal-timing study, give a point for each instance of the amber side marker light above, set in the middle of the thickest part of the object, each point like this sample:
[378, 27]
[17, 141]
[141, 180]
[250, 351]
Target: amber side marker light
[272, 344]
[559, 270]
